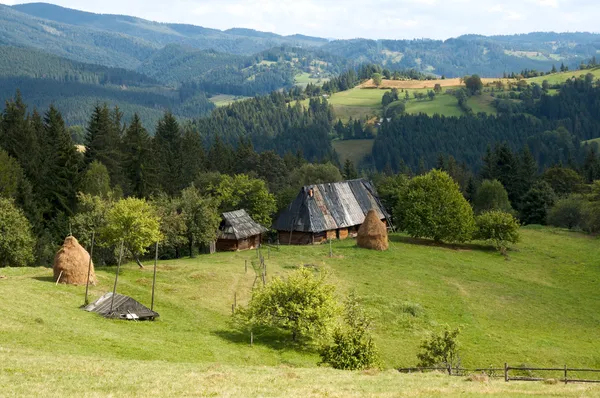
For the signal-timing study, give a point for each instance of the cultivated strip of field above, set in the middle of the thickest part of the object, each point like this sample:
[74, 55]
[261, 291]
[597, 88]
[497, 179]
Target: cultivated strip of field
[415, 84]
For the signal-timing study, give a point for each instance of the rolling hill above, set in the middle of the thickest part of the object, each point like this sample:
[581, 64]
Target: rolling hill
[526, 310]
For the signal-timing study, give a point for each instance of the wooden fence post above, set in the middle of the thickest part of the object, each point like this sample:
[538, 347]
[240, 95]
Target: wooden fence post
[246, 265]
[566, 380]
[505, 372]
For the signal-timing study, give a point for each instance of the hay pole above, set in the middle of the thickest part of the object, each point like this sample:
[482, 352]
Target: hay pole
[112, 299]
[58, 280]
[87, 283]
[154, 276]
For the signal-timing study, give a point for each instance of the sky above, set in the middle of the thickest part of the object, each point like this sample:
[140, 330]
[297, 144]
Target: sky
[375, 19]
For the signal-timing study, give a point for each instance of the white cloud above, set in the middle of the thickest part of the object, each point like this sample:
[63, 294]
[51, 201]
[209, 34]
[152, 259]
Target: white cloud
[394, 19]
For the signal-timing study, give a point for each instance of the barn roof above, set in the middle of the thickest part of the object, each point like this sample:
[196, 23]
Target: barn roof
[239, 225]
[325, 207]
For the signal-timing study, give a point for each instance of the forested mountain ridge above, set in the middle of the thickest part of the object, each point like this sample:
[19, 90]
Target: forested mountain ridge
[236, 41]
[128, 42]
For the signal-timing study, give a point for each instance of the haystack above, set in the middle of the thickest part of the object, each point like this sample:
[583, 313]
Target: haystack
[372, 234]
[73, 261]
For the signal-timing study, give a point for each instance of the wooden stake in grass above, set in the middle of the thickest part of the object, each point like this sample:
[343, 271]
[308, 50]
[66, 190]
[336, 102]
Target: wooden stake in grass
[154, 277]
[330, 249]
[87, 284]
[112, 299]
[58, 280]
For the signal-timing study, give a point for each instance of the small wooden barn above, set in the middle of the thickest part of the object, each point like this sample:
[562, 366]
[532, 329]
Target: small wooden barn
[328, 211]
[238, 231]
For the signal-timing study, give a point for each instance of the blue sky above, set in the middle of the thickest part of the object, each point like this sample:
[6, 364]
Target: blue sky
[390, 19]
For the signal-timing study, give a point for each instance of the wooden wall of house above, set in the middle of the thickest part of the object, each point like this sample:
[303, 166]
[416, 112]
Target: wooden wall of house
[229, 245]
[342, 233]
[297, 238]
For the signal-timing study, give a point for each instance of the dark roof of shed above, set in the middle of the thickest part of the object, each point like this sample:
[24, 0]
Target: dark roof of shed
[121, 307]
[332, 206]
[239, 225]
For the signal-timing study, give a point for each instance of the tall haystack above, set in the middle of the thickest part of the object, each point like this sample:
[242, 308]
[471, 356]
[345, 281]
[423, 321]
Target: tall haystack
[372, 234]
[72, 260]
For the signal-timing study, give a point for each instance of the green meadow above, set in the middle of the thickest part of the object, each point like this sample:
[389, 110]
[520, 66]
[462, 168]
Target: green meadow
[537, 307]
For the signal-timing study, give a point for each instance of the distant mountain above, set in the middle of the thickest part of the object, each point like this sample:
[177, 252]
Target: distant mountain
[236, 41]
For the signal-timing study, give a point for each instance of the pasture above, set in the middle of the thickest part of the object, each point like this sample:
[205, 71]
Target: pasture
[355, 150]
[225, 99]
[302, 79]
[558, 78]
[540, 307]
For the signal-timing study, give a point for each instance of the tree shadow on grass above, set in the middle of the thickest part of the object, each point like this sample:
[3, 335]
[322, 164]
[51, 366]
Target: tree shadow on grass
[44, 278]
[266, 337]
[451, 246]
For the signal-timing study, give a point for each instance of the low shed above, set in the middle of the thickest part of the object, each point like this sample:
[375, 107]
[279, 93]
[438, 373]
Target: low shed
[238, 231]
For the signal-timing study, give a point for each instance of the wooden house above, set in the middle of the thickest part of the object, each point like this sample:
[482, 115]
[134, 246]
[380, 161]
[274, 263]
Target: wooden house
[238, 231]
[328, 211]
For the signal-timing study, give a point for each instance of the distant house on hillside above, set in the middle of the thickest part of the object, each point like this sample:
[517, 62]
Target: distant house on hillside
[238, 231]
[328, 211]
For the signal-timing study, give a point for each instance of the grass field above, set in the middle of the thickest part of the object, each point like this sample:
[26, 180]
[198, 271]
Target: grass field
[225, 99]
[482, 103]
[423, 84]
[596, 140]
[446, 105]
[304, 78]
[540, 308]
[557, 78]
[355, 150]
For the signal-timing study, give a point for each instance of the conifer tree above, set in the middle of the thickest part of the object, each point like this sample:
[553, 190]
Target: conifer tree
[349, 170]
[167, 146]
[192, 155]
[104, 141]
[62, 177]
[138, 163]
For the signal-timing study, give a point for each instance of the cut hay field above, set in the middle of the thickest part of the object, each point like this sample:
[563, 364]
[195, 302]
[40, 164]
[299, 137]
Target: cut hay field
[541, 307]
[355, 150]
[420, 84]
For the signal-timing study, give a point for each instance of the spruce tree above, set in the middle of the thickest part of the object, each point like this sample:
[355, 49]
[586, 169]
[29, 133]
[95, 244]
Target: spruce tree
[167, 146]
[104, 141]
[62, 177]
[138, 161]
[192, 155]
[349, 170]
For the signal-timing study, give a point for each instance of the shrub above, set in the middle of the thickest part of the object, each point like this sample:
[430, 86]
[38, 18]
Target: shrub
[352, 347]
[16, 239]
[441, 349]
[491, 195]
[433, 207]
[497, 227]
[302, 304]
[569, 212]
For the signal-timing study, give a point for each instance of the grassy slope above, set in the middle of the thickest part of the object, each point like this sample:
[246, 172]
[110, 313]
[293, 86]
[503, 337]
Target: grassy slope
[355, 150]
[558, 78]
[225, 99]
[538, 308]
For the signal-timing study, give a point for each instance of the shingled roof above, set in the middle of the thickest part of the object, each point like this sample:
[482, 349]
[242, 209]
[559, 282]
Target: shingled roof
[238, 225]
[325, 207]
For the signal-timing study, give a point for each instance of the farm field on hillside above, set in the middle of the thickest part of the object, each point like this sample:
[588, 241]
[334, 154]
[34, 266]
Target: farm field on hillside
[304, 78]
[557, 78]
[225, 99]
[446, 105]
[355, 150]
[415, 84]
[538, 308]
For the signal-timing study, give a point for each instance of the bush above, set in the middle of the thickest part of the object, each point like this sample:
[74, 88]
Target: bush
[491, 195]
[16, 239]
[302, 304]
[352, 347]
[497, 227]
[441, 349]
[569, 212]
[433, 207]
